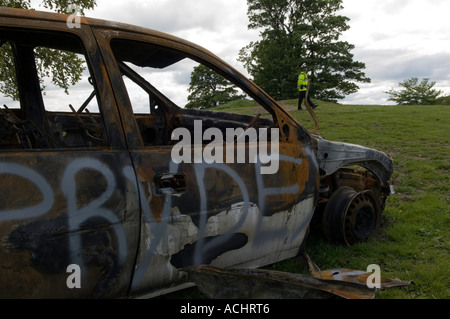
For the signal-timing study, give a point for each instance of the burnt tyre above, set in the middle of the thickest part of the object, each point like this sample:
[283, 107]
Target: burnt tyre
[350, 216]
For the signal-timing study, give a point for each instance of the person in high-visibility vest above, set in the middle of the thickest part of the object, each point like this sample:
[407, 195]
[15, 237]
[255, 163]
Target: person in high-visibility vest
[302, 86]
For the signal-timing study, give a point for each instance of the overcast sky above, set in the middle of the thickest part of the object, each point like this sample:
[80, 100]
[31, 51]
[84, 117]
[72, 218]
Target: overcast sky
[396, 39]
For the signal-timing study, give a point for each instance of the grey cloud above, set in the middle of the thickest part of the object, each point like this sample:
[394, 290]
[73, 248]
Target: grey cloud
[388, 67]
[399, 64]
[392, 7]
[168, 16]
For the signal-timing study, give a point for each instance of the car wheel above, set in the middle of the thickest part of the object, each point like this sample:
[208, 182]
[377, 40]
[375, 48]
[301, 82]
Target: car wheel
[350, 216]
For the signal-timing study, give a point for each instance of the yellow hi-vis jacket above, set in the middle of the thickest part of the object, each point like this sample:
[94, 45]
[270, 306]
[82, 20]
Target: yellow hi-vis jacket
[302, 83]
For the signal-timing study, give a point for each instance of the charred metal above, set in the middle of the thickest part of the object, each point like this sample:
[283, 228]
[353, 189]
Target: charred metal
[91, 182]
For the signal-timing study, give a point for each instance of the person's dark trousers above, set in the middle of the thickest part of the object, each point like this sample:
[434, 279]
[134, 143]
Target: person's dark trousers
[301, 97]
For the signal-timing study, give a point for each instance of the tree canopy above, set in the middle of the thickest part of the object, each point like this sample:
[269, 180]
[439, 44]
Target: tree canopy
[60, 6]
[209, 89]
[64, 68]
[415, 93]
[296, 33]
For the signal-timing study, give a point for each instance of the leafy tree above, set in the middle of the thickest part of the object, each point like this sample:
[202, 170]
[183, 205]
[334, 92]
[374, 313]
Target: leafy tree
[415, 93]
[296, 33]
[209, 89]
[444, 100]
[64, 68]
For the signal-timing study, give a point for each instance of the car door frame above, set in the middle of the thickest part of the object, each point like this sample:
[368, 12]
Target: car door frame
[58, 185]
[293, 226]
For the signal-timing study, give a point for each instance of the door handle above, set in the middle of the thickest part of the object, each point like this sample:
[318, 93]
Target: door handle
[170, 183]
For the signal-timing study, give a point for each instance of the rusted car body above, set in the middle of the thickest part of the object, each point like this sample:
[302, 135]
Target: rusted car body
[100, 190]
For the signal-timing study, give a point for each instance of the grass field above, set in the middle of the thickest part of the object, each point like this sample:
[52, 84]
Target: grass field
[414, 240]
[414, 243]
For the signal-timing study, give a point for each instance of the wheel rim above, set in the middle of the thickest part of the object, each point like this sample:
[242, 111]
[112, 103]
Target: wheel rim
[361, 218]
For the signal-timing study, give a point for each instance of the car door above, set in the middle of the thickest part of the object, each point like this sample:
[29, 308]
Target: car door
[203, 202]
[69, 212]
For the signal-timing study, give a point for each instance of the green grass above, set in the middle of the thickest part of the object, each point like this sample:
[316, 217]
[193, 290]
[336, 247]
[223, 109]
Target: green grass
[414, 241]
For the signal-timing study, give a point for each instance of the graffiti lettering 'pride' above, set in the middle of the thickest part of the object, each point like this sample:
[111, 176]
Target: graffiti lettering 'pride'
[235, 138]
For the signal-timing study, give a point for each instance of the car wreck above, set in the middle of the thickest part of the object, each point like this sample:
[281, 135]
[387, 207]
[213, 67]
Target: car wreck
[92, 203]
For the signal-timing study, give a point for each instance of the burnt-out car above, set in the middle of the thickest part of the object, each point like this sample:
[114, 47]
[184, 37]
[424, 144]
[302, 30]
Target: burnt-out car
[111, 190]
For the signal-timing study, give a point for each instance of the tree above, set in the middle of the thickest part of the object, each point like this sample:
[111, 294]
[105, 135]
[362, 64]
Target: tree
[64, 68]
[444, 100]
[209, 89]
[296, 33]
[415, 93]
